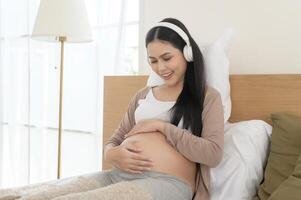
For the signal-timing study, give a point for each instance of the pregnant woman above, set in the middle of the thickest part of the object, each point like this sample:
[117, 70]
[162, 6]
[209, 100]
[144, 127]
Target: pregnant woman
[172, 134]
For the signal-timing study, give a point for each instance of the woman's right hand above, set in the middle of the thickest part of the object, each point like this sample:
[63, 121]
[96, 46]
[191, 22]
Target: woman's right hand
[129, 158]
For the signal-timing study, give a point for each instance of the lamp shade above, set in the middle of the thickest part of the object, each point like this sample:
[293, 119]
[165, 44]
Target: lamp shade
[62, 18]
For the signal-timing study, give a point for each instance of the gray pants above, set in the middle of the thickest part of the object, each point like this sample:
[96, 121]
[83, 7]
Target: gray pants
[160, 185]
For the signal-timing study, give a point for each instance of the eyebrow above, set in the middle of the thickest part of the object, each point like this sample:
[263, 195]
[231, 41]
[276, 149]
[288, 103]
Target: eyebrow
[161, 55]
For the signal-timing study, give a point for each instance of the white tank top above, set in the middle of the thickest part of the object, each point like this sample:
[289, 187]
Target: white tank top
[152, 108]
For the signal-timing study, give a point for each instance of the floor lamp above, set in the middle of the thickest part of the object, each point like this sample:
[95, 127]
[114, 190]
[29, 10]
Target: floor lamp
[62, 21]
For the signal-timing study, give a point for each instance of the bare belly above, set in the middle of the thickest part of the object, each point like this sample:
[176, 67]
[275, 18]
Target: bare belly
[166, 158]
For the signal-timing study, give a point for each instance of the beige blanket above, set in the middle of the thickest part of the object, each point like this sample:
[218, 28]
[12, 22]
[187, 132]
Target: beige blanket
[76, 188]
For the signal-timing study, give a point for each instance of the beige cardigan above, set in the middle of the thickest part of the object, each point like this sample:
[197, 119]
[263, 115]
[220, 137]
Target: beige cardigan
[206, 150]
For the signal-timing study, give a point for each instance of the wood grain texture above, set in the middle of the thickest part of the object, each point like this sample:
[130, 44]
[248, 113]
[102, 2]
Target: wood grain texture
[253, 97]
[257, 96]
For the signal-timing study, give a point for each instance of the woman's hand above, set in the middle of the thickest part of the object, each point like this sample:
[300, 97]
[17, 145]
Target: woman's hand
[129, 158]
[149, 125]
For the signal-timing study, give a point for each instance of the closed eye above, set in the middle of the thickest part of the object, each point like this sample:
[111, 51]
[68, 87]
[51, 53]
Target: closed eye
[153, 61]
[166, 59]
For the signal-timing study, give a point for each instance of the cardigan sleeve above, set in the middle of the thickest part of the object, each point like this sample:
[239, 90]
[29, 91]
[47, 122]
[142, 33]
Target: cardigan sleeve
[128, 120]
[208, 148]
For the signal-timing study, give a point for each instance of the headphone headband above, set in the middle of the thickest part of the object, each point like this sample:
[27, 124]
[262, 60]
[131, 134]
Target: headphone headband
[187, 49]
[176, 29]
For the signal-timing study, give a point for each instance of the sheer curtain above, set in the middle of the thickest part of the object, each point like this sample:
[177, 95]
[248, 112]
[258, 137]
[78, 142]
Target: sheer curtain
[29, 89]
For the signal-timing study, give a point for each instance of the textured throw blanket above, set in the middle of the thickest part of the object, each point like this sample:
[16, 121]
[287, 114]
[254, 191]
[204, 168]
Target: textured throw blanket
[76, 188]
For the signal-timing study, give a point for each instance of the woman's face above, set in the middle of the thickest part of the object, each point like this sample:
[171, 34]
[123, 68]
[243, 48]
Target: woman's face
[167, 61]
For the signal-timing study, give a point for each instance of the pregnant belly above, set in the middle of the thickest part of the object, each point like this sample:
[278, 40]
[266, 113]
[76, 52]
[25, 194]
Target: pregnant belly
[166, 158]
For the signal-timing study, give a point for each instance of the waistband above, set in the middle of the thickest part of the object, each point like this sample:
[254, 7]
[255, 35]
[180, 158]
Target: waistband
[153, 174]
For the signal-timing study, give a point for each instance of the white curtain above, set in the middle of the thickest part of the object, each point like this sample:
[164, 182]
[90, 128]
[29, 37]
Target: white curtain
[29, 87]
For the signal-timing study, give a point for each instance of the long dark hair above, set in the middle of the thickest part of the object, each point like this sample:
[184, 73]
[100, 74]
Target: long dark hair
[189, 104]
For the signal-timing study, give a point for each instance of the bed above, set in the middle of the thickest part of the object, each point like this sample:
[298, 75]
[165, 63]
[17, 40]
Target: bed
[253, 97]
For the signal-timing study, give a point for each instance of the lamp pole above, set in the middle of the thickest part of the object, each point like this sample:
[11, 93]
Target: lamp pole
[61, 40]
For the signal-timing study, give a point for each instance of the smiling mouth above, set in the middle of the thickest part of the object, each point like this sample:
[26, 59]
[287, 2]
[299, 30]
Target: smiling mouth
[167, 76]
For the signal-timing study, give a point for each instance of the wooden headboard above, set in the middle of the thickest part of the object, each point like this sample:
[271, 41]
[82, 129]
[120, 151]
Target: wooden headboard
[253, 97]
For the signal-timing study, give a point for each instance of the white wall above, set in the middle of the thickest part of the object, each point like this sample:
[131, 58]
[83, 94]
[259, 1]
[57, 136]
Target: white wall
[268, 38]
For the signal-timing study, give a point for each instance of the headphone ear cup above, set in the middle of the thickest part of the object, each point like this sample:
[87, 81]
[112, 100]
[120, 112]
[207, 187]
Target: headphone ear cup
[187, 51]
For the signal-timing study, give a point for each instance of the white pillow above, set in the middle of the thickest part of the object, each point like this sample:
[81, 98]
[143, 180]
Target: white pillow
[216, 69]
[241, 170]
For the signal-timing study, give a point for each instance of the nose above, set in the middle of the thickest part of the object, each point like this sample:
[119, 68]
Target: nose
[161, 66]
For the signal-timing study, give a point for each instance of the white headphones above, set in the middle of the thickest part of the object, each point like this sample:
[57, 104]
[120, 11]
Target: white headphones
[187, 50]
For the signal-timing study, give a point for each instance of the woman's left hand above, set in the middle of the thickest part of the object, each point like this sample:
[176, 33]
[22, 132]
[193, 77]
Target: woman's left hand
[149, 125]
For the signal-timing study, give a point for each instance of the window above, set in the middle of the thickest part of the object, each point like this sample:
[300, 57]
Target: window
[29, 89]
